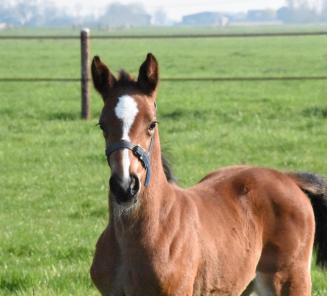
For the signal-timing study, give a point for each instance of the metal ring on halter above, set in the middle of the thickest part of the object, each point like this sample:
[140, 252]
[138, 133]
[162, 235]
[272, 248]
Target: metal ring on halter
[142, 155]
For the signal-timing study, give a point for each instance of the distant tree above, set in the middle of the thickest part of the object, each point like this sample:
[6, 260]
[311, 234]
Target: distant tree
[26, 11]
[305, 13]
[33, 13]
[296, 4]
[8, 14]
[323, 15]
[51, 16]
[291, 4]
[44, 13]
[160, 17]
[4, 12]
[298, 11]
[284, 14]
[121, 15]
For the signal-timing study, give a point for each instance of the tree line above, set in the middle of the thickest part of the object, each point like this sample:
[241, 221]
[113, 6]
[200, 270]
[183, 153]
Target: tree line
[36, 13]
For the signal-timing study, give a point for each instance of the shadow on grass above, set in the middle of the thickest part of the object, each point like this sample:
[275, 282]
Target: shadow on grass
[179, 113]
[10, 112]
[21, 250]
[70, 116]
[94, 212]
[73, 253]
[14, 283]
[65, 116]
[320, 112]
[98, 158]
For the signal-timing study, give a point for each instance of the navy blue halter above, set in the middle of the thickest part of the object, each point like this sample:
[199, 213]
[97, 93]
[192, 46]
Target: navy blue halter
[142, 155]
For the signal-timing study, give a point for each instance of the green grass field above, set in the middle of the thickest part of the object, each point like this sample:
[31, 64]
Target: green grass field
[53, 171]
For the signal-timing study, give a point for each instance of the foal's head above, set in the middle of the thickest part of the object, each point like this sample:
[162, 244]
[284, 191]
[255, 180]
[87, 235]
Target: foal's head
[128, 116]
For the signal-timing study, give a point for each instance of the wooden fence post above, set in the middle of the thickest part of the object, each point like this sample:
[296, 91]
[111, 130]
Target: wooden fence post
[85, 103]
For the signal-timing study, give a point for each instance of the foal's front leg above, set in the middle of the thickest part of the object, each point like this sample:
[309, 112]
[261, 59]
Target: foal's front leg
[103, 271]
[250, 289]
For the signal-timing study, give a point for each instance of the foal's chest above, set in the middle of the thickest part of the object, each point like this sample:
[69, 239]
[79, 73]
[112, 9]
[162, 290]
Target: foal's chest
[146, 280]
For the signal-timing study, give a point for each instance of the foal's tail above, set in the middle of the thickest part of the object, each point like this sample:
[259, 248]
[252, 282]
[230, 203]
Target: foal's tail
[316, 189]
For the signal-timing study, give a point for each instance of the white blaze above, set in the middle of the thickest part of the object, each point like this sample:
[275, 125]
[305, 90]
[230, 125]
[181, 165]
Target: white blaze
[126, 110]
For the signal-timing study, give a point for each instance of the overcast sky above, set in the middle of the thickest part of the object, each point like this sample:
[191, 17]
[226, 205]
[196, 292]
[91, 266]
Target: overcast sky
[176, 8]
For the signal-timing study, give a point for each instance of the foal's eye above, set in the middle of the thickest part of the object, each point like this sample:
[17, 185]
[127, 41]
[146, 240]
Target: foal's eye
[153, 125]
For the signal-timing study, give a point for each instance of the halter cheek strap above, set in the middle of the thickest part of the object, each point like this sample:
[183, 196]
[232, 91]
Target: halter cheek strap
[142, 155]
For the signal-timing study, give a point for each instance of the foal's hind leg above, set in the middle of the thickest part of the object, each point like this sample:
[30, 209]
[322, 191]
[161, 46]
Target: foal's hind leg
[299, 281]
[293, 282]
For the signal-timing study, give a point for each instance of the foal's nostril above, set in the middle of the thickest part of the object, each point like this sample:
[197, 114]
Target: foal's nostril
[125, 193]
[134, 185]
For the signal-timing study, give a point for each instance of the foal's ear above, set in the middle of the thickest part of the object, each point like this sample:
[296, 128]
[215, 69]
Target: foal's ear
[102, 78]
[149, 74]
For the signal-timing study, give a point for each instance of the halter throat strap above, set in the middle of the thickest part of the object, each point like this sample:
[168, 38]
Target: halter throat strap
[142, 155]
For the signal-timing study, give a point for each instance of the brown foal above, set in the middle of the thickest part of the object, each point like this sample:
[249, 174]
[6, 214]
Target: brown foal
[240, 230]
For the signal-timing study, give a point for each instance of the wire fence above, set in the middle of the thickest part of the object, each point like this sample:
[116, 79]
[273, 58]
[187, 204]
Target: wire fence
[164, 36]
[176, 79]
[84, 41]
[169, 36]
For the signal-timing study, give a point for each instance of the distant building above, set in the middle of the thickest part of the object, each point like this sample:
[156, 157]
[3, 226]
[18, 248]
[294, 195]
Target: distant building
[237, 17]
[205, 19]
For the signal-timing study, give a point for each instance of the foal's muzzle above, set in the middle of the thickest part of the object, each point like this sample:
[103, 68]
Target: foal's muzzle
[124, 193]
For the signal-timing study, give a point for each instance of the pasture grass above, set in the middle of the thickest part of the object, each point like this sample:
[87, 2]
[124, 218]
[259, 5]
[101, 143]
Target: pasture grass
[53, 171]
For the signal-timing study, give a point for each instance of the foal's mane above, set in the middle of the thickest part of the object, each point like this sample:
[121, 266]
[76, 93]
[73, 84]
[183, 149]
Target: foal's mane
[167, 170]
[125, 77]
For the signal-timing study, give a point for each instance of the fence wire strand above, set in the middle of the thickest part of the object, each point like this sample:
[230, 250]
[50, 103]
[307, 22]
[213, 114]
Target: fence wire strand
[176, 79]
[169, 36]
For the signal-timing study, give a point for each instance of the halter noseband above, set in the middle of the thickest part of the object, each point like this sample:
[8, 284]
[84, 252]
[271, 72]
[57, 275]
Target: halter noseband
[142, 155]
